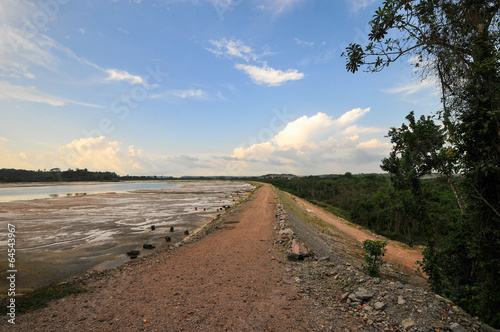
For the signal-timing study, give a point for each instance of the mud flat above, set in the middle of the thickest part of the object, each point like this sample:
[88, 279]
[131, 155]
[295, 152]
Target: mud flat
[64, 236]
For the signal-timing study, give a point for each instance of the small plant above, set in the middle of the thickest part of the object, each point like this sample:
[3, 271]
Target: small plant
[373, 252]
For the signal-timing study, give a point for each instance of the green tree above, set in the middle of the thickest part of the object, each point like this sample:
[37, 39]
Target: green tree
[457, 41]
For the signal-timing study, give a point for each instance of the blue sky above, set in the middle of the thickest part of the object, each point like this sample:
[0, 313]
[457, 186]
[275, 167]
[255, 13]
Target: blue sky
[196, 87]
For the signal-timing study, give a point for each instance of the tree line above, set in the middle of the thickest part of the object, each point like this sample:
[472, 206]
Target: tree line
[371, 201]
[55, 175]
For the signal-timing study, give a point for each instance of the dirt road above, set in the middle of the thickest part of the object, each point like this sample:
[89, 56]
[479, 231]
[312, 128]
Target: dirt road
[231, 279]
[397, 254]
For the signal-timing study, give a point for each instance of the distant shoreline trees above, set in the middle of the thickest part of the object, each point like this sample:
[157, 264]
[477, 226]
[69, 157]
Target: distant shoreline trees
[55, 175]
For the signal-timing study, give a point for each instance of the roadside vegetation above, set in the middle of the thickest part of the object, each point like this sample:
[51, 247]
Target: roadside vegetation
[40, 297]
[371, 201]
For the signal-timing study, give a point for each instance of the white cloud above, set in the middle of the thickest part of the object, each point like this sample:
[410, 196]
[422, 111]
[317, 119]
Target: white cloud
[82, 31]
[19, 53]
[269, 76]
[99, 154]
[31, 94]
[373, 144]
[122, 75]
[184, 94]
[232, 48]
[260, 151]
[413, 87]
[297, 134]
[357, 5]
[278, 6]
[304, 43]
[316, 144]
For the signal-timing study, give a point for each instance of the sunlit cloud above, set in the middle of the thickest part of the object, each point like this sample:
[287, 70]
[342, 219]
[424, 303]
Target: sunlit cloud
[122, 75]
[100, 154]
[269, 76]
[319, 142]
[11, 92]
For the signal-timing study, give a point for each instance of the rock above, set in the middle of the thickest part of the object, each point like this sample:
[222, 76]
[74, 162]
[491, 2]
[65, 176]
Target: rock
[153, 227]
[487, 328]
[401, 301]
[362, 294]
[286, 232]
[167, 238]
[133, 253]
[298, 280]
[292, 256]
[379, 305]
[186, 232]
[455, 327]
[398, 285]
[148, 246]
[407, 323]
[172, 228]
[368, 308]
[299, 249]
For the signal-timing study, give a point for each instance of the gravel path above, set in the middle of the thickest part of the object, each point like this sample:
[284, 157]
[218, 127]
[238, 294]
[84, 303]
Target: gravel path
[234, 278]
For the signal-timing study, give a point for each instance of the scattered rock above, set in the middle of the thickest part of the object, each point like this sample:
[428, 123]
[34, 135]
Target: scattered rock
[407, 323]
[362, 294]
[455, 327]
[343, 287]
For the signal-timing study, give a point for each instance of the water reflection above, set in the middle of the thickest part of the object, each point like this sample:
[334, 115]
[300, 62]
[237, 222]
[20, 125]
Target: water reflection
[49, 191]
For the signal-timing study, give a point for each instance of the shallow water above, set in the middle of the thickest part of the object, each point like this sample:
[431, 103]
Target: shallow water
[38, 192]
[60, 237]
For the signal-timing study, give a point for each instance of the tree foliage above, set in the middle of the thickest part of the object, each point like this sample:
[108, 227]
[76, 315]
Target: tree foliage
[456, 41]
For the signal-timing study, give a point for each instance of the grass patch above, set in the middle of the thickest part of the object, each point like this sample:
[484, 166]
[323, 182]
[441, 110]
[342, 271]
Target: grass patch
[40, 297]
[314, 221]
[332, 209]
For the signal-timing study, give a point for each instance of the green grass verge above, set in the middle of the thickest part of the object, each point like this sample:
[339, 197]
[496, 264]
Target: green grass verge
[40, 297]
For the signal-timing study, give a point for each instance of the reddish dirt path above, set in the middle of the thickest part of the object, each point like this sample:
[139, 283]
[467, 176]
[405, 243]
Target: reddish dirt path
[227, 280]
[398, 254]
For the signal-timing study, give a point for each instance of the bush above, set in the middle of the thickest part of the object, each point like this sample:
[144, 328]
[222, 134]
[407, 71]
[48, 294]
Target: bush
[373, 252]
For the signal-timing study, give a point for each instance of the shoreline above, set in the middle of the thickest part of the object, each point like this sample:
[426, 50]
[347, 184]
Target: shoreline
[55, 241]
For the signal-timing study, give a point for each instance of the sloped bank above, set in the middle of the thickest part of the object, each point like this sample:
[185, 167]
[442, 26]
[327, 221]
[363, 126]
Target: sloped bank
[383, 304]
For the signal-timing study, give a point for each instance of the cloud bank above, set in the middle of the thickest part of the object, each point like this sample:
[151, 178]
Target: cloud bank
[316, 144]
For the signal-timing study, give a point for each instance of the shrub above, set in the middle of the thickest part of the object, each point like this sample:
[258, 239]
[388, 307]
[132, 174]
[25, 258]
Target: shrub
[373, 252]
